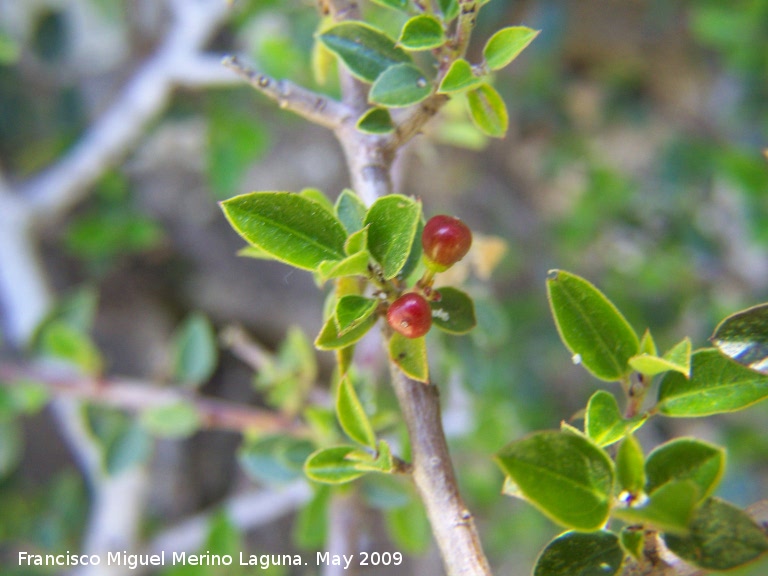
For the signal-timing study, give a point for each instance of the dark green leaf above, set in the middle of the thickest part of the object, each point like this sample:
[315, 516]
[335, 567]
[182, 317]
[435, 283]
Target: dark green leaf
[506, 44]
[376, 121]
[352, 416]
[352, 310]
[564, 475]
[399, 86]
[744, 337]
[488, 111]
[330, 339]
[669, 509]
[454, 312]
[331, 466]
[577, 553]
[410, 355]
[459, 78]
[365, 50]
[629, 465]
[721, 537]
[423, 32]
[717, 385]
[393, 221]
[686, 459]
[590, 326]
[350, 210]
[178, 420]
[194, 351]
[290, 227]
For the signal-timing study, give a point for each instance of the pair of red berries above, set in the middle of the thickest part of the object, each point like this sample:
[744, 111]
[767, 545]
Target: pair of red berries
[445, 241]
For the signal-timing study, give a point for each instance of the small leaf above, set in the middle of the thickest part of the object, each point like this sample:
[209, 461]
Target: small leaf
[629, 465]
[717, 385]
[365, 50]
[565, 476]
[194, 351]
[350, 210]
[583, 554]
[669, 509]
[647, 345]
[459, 78]
[177, 420]
[506, 44]
[632, 541]
[488, 111]
[603, 421]
[423, 32]
[355, 265]
[449, 8]
[254, 252]
[330, 339]
[721, 537]
[289, 227]
[678, 359]
[591, 326]
[352, 417]
[318, 196]
[454, 312]
[744, 337]
[63, 342]
[410, 355]
[393, 221]
[274, 460]
[686, 459]
[399, 86]
[376, 121]
[331, 466]
[352, 310]
[357, 242]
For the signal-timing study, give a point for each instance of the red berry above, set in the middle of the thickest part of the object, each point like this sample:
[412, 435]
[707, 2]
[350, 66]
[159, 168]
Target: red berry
[445, 240]
[410, 315]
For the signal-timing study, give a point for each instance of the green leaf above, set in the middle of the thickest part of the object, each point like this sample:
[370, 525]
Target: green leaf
[678, 359]
[647, 345]
[393, 221]
[194, 351]
[565, 476]
[409, 527]
[721, 537]
[376, 121]
[399, 5]
[454, 312]
[459, 78]
[357, 242]
[310, 526]
[129, 447]
[744, 337]
[506, 44]
[632, 541]
[717, 385]
[352, 417]
[488, 111]
[177, 420]
[629, 465]
[590, 326]
[577, 553]
[423, 32]
[274, 460]
[331, 466]
[686, 459]
[318, 196]
[399, 86]
[350, 210]
[365, 50]
[352, 310]
[669, 509]
[63, 342]
[9, 49]
[11, 446]
[330, 339]
[254, 252]
[355, 265]
[289, 227]
[603, 421]
[22, 397]
[410, 355]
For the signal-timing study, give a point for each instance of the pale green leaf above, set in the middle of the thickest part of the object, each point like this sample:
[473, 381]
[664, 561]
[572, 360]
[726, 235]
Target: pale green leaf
[332, 466]
[459, 78]
[194, 351]
[506, 44]
[488, 111]
[422, 32]
[410, 355]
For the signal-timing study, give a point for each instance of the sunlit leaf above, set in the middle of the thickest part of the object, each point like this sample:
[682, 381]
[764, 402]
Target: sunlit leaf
[459, 78]
[744, 337]
[488, 111]
[506, 44]
[422, 32]
[351, 414]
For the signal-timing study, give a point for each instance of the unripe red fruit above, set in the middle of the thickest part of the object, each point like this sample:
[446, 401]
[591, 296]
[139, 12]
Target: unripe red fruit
[410, 315]
[445, 240]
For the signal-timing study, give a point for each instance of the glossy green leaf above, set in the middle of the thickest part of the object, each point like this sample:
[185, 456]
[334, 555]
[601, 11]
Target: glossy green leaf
[177, 420]
[721, 537]
[330, 339]
[583, 554]
[352, 417]
[686, 459]
[717, 384]
[422, 32]
[604, 423]
[357, 242]
[354, 265]
[393, 221]
[331, 466]
[488, 111]
[365, 50]
[290, 227]
[590, 326]
[454, 312]
[274, 460]
[630, 471]
[678, 359]
[632, 541]
[63, 342]
[352, 310]
[376, 121]
[566, 476]
[194, 351]
[350, 210]
[410, 355]
[506, 44]
[669, 509]
[459, 78]
[744, 337]
[399, 86]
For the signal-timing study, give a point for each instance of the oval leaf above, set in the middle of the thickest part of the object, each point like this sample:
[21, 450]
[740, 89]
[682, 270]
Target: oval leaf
[330, 339]
[686, 459]
[579, 553]
[565, 476]
[488, 111]
[744, 337]
[678, 359]
[352, 310]
[459, 78]
[331, 466]
[422, 32]
[603, 422]
[410, 355]
[393, 221]
[352, 416]
[399, 86]
[717, 385]
[376, 121]
[365, 50]
[454, 312]
[290, 227]
[194, 349]
[274, 460]
[629, 466]
[590, 326]
[506, 44]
